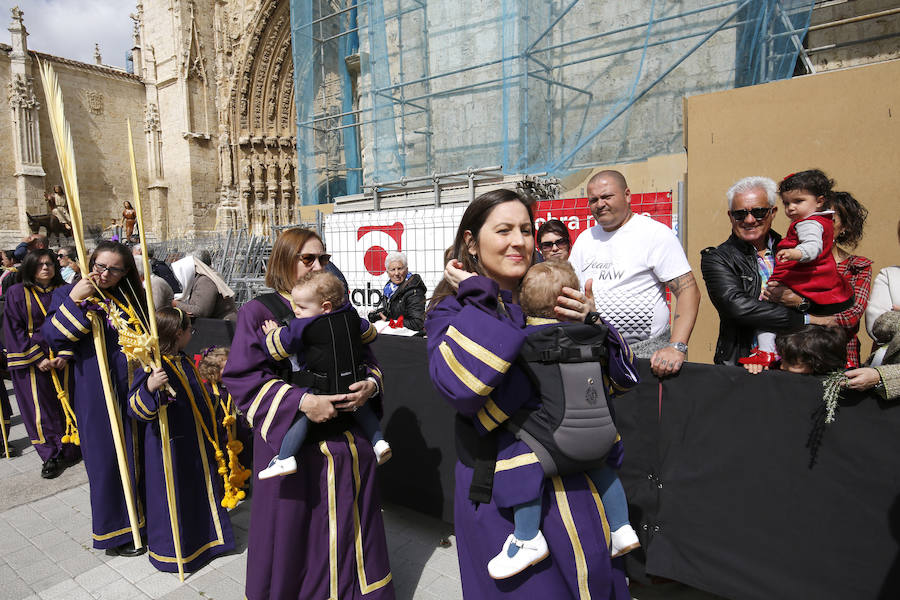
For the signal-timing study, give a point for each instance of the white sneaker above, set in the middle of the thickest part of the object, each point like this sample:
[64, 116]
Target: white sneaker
[279, 466]
[382, 451]
[530, 552]
[622, 541]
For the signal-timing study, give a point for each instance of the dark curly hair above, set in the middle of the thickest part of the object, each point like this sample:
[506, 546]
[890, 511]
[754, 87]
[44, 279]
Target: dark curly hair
[852, 215]
[813, 181]
[822, 349]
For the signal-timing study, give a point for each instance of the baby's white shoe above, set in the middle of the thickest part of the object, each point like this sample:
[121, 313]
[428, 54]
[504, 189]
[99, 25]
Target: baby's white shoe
[623, 540]
[279, 466]
[530, 552]
[382, 451]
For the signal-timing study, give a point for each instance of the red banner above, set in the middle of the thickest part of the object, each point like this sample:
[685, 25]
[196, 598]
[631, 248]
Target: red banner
[575, 214]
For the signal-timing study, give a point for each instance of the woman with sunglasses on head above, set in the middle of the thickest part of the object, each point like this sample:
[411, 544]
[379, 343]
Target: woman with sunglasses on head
[553, 240]
[68, 330]
[31, 361]
[320, 507]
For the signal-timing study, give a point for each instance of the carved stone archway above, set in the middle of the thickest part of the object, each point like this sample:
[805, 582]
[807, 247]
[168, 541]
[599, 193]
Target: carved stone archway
[262, 122]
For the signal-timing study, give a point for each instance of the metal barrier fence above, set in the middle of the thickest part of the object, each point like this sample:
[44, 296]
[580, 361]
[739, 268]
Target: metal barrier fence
[238, 255]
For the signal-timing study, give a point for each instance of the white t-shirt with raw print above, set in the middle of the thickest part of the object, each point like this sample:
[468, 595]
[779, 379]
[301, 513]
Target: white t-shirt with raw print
[629, 267]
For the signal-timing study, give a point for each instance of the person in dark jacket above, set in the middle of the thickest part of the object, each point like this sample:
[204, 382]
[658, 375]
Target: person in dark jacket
[161, 269]
[404, 295]
[736, 272]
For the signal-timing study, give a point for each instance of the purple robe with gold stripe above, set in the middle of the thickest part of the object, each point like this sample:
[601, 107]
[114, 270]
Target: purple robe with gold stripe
[68, 330]
[317, 533]
[41, 411]
[473, 340]
[205, 529]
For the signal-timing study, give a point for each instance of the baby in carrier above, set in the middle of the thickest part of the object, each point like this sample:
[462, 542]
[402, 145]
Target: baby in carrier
[324, 345]
[577, 368]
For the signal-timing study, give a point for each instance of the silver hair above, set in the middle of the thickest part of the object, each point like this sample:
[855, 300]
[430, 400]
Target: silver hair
[752, 183]
[395, 257]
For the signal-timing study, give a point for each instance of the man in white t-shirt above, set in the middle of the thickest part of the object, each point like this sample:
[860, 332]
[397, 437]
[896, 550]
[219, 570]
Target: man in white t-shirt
[629, 261]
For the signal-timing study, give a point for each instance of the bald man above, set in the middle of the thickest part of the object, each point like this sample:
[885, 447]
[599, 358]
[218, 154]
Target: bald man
[628, 261]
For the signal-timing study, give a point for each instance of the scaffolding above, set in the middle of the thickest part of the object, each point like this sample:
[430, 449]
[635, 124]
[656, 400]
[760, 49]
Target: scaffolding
[394, 89]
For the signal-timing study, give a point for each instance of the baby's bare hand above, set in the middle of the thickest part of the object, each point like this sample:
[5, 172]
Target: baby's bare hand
[269, 326]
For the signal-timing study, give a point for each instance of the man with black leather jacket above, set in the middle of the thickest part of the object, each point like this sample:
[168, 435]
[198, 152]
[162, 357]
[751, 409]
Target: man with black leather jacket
[734, 272]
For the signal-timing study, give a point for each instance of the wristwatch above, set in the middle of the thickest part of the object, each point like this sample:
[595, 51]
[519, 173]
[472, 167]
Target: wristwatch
[680, 346]
[591, 318]
[804, 305]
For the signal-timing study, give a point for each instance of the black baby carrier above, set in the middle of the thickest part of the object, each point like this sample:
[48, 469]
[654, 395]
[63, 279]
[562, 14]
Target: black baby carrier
[573, 430]
[332, 348]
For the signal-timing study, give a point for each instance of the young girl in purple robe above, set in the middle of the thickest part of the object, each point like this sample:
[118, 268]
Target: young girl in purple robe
[526, 546]
[205, 529]
[316, 293]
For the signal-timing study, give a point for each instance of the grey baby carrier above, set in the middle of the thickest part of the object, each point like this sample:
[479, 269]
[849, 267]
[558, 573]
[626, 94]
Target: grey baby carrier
[573, 430]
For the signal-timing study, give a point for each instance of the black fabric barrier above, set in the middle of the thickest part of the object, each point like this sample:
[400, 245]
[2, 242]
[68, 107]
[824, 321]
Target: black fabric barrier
[719, 480]
[209, 332]
[418, 423]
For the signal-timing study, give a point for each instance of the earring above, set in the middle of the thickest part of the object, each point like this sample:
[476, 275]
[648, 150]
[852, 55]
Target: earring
[474, 258]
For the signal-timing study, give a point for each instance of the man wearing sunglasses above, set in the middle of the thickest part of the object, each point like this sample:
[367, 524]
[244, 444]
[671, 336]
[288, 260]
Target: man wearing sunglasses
[737, 269]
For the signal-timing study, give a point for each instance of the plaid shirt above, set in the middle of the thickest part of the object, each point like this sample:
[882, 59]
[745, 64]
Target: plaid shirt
[857, 271]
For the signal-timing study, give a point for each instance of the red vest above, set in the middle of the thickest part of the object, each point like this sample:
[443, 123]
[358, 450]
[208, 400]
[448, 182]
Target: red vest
[817, 279]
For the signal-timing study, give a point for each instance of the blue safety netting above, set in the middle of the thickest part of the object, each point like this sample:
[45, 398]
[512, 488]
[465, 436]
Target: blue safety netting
[532, 85]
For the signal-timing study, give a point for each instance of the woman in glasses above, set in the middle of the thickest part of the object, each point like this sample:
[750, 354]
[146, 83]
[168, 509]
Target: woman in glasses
[321, 507]
[553, 240]
[68, 332]
[31, 361]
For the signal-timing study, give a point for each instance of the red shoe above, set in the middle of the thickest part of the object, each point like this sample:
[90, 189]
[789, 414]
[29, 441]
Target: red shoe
[759, 357]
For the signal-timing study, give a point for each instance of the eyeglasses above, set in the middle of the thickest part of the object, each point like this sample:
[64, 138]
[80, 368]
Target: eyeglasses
[560, 243]
[62, 255]
[758, 213]
[309, 259]
[49, 265]
[101, 268]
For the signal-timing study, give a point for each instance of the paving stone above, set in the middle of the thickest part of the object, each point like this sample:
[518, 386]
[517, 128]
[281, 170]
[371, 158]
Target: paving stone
[49, 539]
[15, 587]
[445, 587]
[215, 586]
[159, 584]
[97, 578]
[133, 568]
[39, 569]
[120, 590]
[65, 590]
[20, 559]
[11, 540]
[235, 569]
[79, 562]
[183, 593]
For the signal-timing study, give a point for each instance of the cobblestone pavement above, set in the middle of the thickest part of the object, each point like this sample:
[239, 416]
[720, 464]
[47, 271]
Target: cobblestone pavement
[46, 553]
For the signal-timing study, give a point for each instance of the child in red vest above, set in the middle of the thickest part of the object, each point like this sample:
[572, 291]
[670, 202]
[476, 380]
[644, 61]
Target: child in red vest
[804, 261]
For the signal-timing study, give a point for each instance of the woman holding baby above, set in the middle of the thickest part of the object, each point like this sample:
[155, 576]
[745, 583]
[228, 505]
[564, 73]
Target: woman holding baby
[475, 330]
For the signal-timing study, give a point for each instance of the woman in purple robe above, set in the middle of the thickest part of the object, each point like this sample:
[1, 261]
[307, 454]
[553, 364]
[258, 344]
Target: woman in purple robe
[68, 332]
[475, 331]
[205, 529]
[31, 362]
[319, 533]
